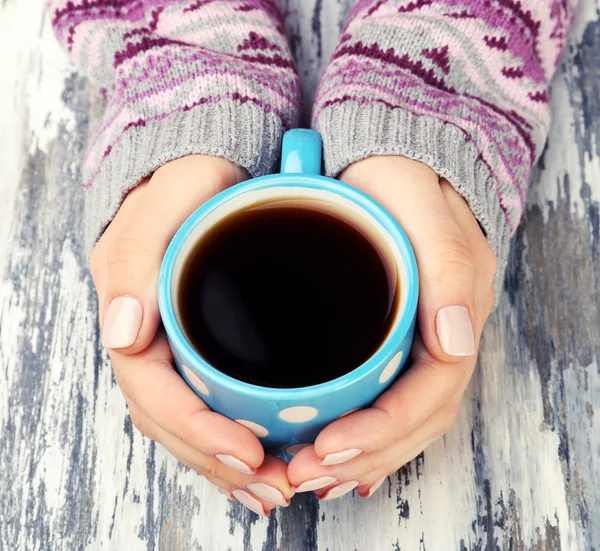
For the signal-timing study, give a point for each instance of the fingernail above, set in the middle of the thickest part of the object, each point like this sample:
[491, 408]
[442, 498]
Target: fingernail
[235, 463]
[226, 494]
[268, 493]
[340, 490]
[251, 502]
[339, 457]
[375, 486]
[315, 484]
[455, 331]
[122, 322]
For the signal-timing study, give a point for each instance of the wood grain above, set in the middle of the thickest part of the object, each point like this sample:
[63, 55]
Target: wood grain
[519, 471]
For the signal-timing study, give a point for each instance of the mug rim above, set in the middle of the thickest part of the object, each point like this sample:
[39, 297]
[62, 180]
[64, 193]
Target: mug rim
[386, 350]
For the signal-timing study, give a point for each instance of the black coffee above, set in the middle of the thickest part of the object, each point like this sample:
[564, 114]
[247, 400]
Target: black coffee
[286, 296]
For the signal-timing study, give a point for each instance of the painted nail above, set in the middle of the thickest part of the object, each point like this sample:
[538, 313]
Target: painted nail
[315, 484]
[122, 322]
[375, 486]
[235, 463]
[339, 457]
[455, 331]
[268, 493]
[226, 494]
[251, 502]
[340, 490]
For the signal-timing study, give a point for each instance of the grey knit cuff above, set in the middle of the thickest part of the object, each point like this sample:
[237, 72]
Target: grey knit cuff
[242, 133]
[353, 131]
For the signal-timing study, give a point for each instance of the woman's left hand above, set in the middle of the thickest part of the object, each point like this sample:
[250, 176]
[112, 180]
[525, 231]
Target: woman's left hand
[456, 272]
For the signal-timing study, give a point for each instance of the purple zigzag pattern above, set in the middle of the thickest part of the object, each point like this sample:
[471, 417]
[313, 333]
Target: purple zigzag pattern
[439, 56]
[379, 61]
[235, 96]
[257, 42]
[151, 72]
[374, 51]
[216, 66]
[146, 43]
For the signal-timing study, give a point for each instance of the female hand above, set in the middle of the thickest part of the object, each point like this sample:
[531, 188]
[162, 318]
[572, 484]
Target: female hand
[125, 266]
[456, 271]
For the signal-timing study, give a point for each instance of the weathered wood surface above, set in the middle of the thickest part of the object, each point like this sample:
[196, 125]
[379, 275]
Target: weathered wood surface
[521, 469]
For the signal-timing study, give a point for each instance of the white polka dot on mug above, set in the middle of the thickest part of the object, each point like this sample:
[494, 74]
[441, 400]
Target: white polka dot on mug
[289, 300]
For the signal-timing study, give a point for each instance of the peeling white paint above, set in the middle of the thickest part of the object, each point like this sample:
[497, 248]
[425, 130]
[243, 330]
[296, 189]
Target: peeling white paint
[106, 489]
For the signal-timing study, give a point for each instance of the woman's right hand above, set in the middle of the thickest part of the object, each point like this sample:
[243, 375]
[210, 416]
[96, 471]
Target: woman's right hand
[125, 265]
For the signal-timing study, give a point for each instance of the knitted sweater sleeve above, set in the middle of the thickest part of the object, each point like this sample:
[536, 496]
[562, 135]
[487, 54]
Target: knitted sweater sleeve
[180, 77]
[461, 85]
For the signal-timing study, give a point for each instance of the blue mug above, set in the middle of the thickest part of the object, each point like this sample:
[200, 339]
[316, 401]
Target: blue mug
[287, 419]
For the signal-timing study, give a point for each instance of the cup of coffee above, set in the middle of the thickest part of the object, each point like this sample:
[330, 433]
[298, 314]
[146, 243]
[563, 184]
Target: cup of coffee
[289, 300]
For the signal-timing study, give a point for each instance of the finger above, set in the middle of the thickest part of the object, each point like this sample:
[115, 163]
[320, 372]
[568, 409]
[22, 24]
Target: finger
[134, 257]
[485, 259]
[410, 191]
[235, 485]
[255, 504]
[269, 484]
[306, 464]
[370, 467]
[98, 265]
[428, 384]
[367, 489]
[407, 404]
[221, 485]
[365, 481]
[149, 381]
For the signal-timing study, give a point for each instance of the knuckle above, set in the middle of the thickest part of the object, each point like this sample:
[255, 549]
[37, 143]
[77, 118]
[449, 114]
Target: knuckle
[372, 466]
[189, 465]
[447, 420]
[94, 257]
[95, 262]
[140, 423]
[211, 469]
[453, 258]
[490, 264]
[488, 304]
[398, 409]
[189, 431]
[449, 375]
[124, 380]
[462, 372]
[126, 249]
[186, 436]
[491, 298]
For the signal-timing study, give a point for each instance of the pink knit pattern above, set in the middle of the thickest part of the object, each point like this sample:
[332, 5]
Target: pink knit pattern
[157, 59]
[482, 66]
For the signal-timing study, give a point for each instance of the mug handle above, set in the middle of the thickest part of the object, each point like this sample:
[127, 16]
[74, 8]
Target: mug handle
[301, 152]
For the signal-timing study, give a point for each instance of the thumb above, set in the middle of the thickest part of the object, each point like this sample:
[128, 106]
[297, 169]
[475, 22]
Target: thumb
[130, 314]
[411, 192]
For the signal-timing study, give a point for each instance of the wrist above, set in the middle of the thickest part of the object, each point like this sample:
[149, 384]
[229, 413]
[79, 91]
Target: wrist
[206, 170]
[378, 169]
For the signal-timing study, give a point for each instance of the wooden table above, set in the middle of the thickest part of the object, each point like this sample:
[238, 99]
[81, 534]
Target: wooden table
[521, 468]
